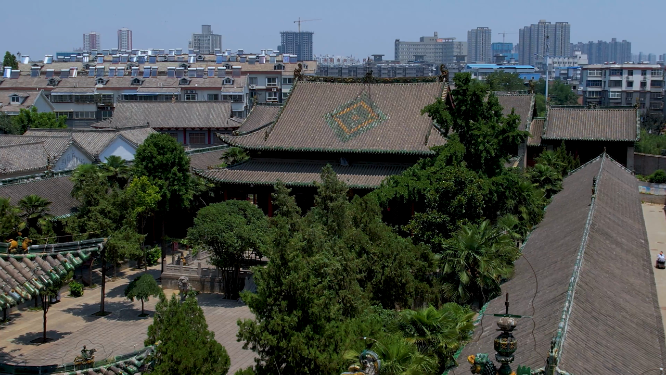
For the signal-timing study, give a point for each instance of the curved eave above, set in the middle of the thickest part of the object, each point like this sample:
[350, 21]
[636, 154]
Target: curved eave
[586, 139]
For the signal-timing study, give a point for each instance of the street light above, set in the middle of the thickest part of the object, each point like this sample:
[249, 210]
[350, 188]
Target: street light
[546, 59]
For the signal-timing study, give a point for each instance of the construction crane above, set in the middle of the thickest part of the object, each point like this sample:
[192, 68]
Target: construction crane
[504, 35]
[300, 20]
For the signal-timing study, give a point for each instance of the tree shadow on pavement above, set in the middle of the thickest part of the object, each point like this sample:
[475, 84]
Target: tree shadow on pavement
[87, 310]
[217, 300]
[31, 338]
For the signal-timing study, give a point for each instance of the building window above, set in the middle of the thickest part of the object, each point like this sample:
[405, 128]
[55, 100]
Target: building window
[197, 138]
[84, 115]
[644, 73]
[643, 85]
[656, 105]
[106, 114]
[614, 94]
[61, 98]
[271, 96]
[630, 73]
[593, 94]
[629, 97]
[614, 83]
[67, 115]
[287, 81]
[285, 95]
[213, 97]
[657, 73]
[253, 81]
[594, 73]
[190, 95]
[616, 72]
[657, 84]
[630, 85]
[656, 96]
[594, 83]
[271, 82]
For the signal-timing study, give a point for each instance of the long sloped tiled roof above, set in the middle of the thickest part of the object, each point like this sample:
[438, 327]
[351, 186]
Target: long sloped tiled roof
[580, 123]
[522, 104]
[349, 117]
[167, 115]
[536, 129]
[206, 158]
[57, 190]
[302, 172]
[594, 290]
[260, 115]
[19, 154]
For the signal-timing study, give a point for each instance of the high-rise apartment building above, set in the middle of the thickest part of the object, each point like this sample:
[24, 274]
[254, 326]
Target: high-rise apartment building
[478, 45]
[124, 39]
[297, 43]
[460, 52]
[545, 38]
[206, 43]
[602, 52]
[92, 41]
[430, 49]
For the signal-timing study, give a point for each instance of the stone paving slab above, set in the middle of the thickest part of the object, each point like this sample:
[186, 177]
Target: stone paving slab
[72, 325]
[655, 223]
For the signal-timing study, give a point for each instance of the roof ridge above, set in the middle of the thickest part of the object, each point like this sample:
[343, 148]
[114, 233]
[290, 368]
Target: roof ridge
[563, 326]
[23, 144]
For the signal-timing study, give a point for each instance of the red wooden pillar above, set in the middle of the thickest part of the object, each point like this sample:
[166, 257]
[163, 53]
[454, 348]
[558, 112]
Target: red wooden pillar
[184, 136]
[270, 205]
[225, 195]
[210, 138]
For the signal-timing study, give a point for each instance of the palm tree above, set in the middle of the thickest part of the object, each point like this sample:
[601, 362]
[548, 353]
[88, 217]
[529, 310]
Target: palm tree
[10, 219]
[474, 262]
[399, 357]
[546, 178]
[116, 171]
[35, 211]
[84, 174]
[234, 155]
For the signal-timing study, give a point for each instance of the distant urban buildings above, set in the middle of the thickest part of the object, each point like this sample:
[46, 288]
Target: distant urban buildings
[601, 52]
[478, 45]
[430, 49]
[92, 41]
[206, 43]
[297, 43]
[503, 52]
[125, 39]
[545, 38]
[460, 52]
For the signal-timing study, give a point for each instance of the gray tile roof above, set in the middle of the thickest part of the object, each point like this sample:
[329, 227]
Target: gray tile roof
[57, 190]
[161, 115]
[27, 100]
[536, 130]
[204, 158]
[21, 154]
[581, 123]
[259, 116]
[349, 117]
[523, 104]
[302, 172]
[606, 303]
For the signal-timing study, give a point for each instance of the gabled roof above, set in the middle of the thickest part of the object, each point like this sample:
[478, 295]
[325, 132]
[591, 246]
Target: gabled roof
[582, 123]
[260, 115]
[536, 130]
[303, 172]
[204, 158]
[22, 154]
[586, 279]
[167, 115]
[350, 117]
[27, 100]
[57, 190]
[522, 104]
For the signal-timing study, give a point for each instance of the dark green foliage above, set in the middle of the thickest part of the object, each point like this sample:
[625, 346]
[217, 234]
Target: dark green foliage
[233, 156]
[116, 171]
[551, 168]
[475, 116]
[559, 93]
[231, 230]
[75, 289]
[654, 144]
[35, 213]
[163, 161]
[153, 255]
[8, 126]
[122, 244]
[246, 371]
[10, 220]
[30, 118]
[653, 123]
[658, 177]
[10, 60]
[184, 343]
[504, 81]
[142, 288]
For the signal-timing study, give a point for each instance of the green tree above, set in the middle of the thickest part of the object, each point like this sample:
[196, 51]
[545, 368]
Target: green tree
[8, 126]
[142, 288]
[399, 357]
[163, 161]
[116, 171]
[10, 60]
[184, 343]
[231, 229]
[10, 220]
[504, 81]
[654, 144]
[561, 94]
[474, 262]
[45, 296]
[35, 212]
[233, 156]
[122, 244]
[546, 178]
[30, 118]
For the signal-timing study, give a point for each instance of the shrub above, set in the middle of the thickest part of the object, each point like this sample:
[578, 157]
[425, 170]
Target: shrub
[154, 255]
[75, 289]
[658, 177]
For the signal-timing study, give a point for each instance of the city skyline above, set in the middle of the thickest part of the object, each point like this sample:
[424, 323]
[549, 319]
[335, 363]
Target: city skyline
[338, 32]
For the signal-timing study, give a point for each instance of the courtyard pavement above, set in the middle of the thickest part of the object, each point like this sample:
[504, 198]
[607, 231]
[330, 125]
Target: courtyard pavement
[655, 223]
[71, 324]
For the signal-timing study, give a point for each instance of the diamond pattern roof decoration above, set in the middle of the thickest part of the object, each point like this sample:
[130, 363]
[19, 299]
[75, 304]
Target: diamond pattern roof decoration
[355, 117]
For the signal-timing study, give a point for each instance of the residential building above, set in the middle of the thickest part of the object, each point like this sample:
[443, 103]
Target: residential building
[206, 43]
[538, 40]
[481, 71]
[602, 52]
[478, 45]
[573, 303]
[611, 85]
[297, 43]
[125, 40]
[379, 70]
[559, 62]
[460, 52]
[429, 49]
[11, 102]
[92, 41]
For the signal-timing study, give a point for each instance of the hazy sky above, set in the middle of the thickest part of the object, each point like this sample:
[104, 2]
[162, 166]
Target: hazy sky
[358, 27]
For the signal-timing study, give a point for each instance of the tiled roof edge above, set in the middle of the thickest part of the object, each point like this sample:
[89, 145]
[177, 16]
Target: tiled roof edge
[313, 149]
[206, 174]
[34, 177]
[371, 80]
[563, 326]
[204, 150]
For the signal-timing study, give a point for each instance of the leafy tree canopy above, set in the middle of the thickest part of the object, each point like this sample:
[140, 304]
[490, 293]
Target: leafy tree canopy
[233, 156]
[184, 343]
[142, 288]
[8, 125]
[30, 118]
[10, 220]
[505, 81]
[10, 60]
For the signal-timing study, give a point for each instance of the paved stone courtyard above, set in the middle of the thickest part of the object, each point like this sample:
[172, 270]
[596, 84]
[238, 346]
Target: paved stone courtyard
[71, 324]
